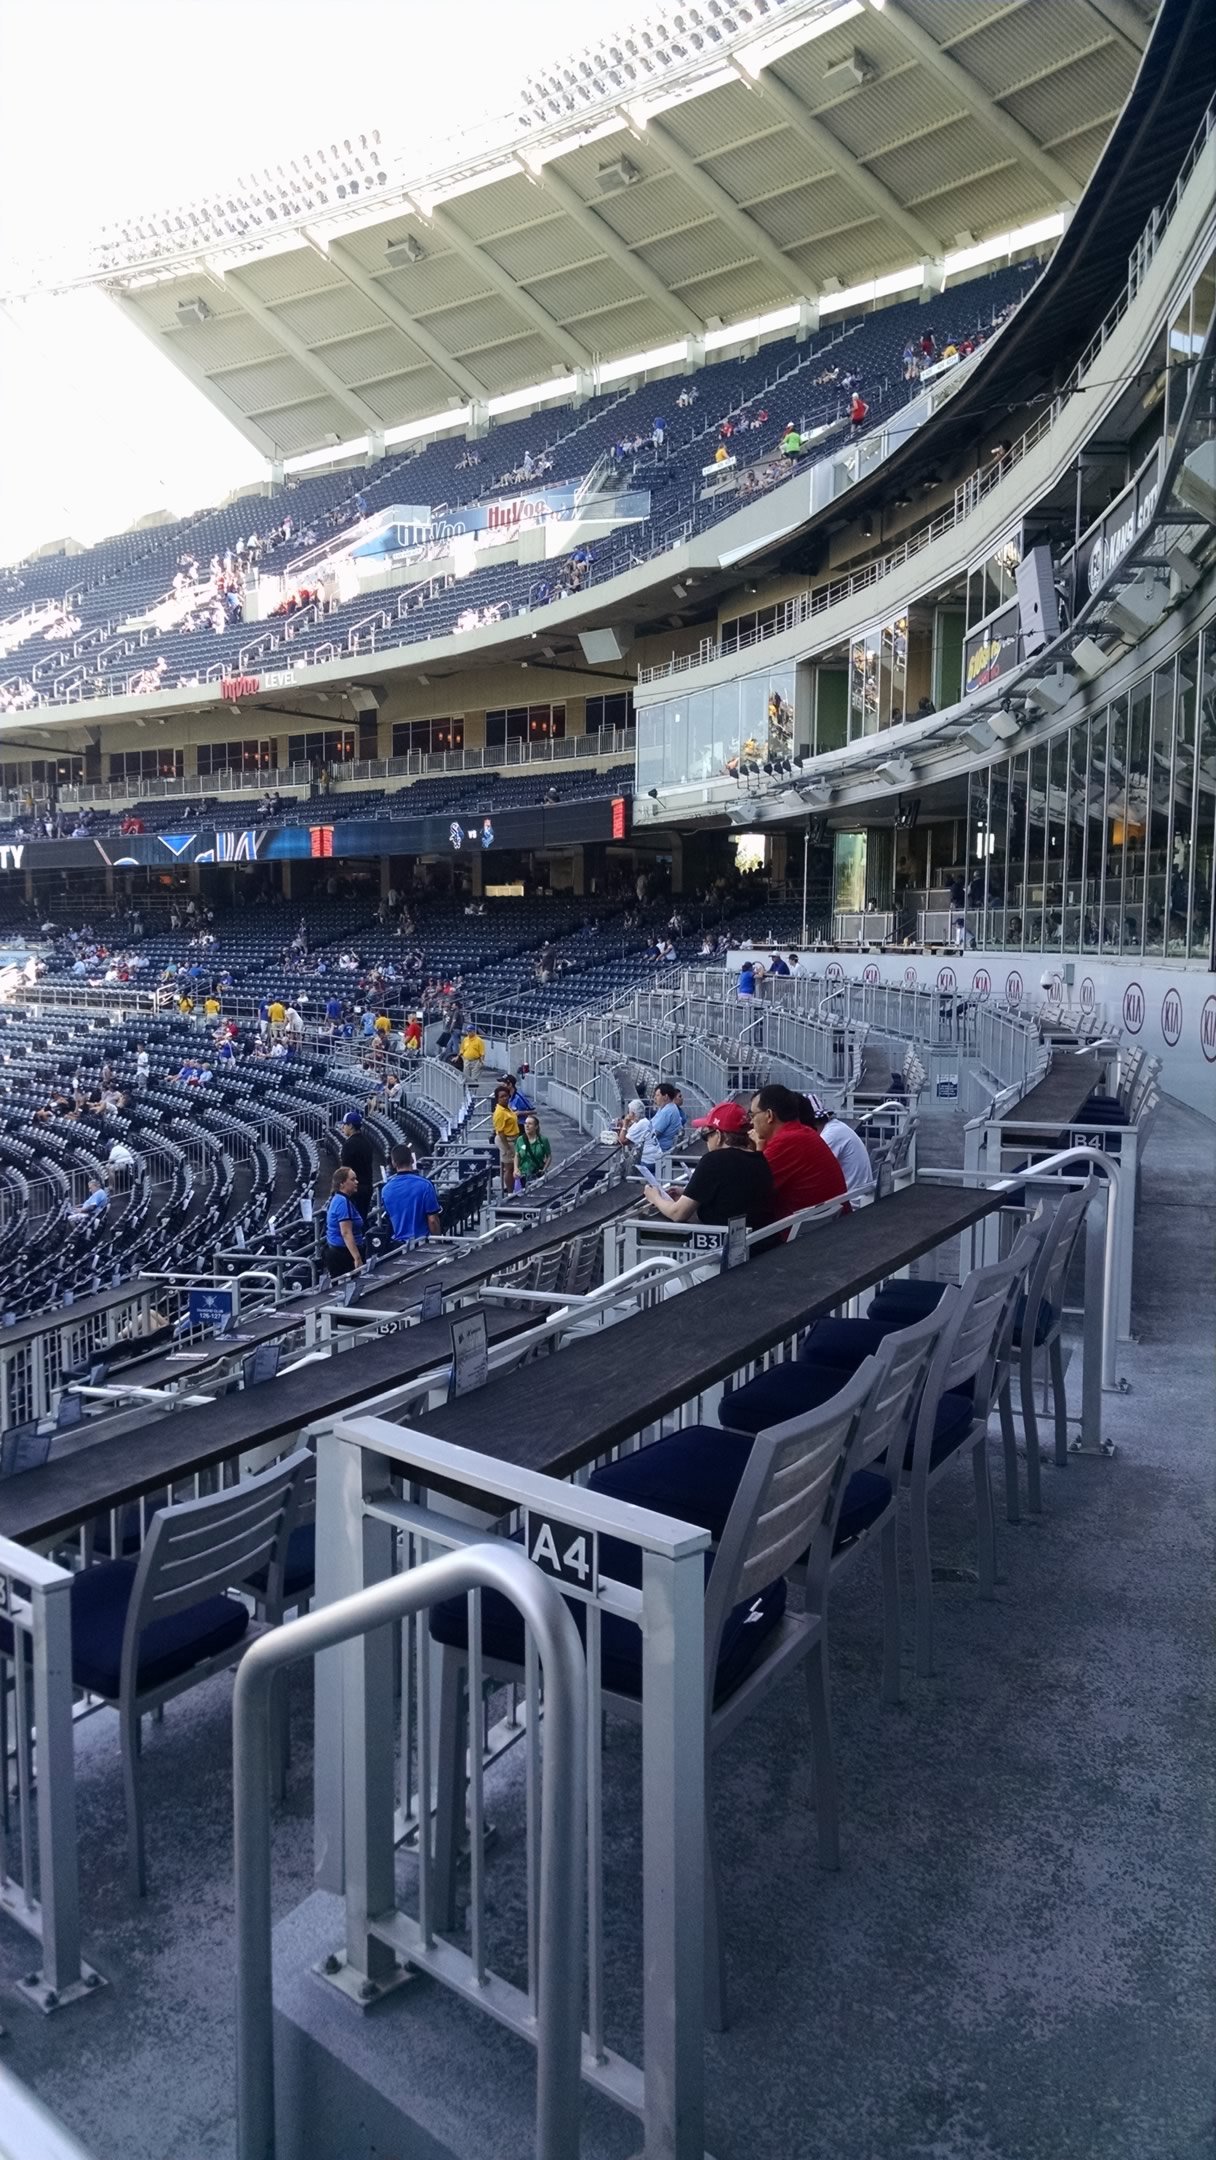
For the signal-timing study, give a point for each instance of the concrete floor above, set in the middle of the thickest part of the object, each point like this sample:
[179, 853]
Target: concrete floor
[1015, 1960]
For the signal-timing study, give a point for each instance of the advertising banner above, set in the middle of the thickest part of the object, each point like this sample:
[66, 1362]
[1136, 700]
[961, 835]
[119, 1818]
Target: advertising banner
[991, 650]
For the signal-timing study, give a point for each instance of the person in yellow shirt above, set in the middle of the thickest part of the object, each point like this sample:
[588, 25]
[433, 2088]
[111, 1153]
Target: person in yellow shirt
[383, 1025]
[472, 1055]
[211, 1006]
[506, 1131]
[185, 1006]
[276, 1013]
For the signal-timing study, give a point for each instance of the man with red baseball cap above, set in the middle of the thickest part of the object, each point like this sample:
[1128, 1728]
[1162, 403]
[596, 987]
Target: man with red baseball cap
[731, 1179]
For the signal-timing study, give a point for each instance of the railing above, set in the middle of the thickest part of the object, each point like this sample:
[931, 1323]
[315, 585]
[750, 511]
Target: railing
[43, 1895]
[805, 607]
[557, 1830]
[615, 743]
[363, 1533]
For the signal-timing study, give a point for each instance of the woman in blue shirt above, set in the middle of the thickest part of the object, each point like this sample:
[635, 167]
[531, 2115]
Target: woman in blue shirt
[343, 1225]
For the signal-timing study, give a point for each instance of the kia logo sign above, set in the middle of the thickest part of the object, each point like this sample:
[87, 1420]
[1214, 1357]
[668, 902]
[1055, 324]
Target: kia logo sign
[833, 972]
[1133, 1008]
[1089, 996]
[910, 978]
[981, 983]
[1171, 1017]
[1207, 1030]
[1013, 987]
[947, 979]
[869, 974]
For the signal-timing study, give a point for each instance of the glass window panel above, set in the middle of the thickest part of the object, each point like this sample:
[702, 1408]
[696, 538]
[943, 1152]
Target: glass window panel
[1095, 835]
[1113, 918]
[753, 717]
[1182, 792]
[850, 872]
[886, 670]
[1074, 836]
[780, 714]
[1036, 851]
[998, 854]
[1057, 827]
[651, 721]
[1158, 792]
[699, 737]
[1015, 916]
[1204, 864]
[1135, 815]
[978, 852]
[726, 728]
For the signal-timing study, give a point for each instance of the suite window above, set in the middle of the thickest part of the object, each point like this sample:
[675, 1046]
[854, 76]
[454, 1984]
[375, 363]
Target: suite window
[525, 724]
[604, 713]
[218, 757]
[428, 735]
[146, 764]
[334, 747]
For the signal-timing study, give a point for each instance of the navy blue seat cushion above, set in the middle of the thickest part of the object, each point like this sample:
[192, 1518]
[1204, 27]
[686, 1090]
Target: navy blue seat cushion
[1104, 1110]
[100, 1597]
[694, 1475]
[846, 1344]
[906, 1302]
[784, 1391]
[502, 1631]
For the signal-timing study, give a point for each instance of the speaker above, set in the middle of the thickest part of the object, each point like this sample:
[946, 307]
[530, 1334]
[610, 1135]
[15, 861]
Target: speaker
[1037, 603]
[602, 644]
[1088, 658]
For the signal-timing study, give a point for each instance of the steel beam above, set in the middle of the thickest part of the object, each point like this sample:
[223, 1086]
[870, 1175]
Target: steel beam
[388, 305]
[747, 231]
[1065, 187]
[617, 250]
[518, 296]
[819, 138]
[230, 281]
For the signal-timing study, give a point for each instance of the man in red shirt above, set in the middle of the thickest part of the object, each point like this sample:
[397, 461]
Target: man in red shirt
[804, 1170]
[858, 410]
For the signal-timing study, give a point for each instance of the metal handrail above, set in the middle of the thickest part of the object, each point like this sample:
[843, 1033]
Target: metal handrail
[563, 1823]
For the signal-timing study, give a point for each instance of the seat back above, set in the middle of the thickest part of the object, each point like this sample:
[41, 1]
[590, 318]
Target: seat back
[974, 1345]
[901, 1365]
[70, 1411]
[199, 1548]
[1048, 1273]
[261, 1364]
[792, 1484]
[23, 1447]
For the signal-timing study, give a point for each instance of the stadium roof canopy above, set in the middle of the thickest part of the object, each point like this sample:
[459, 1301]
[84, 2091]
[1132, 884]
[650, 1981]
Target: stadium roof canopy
[727, 162]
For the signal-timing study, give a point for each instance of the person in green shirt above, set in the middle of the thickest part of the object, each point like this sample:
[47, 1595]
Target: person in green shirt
[533, 1153]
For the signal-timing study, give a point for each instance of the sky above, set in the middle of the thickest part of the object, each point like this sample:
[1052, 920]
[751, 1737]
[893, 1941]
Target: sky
[118, 106]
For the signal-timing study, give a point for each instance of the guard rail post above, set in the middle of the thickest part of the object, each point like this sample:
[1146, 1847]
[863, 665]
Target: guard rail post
[346, 1624]
[35, 1596]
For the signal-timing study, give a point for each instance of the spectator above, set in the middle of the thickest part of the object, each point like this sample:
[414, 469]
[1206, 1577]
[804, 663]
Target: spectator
[410, 1200]
[791, 442]
[276, 1013]
[413, 1034]
[858, 412]
[506, 1131]
[638, 1133]
[746, 985]
[667, 1118]
[93, 1207]
[805, 1171]
[472, 1056]
[846, 1145]
[344, 1221]
[732, 1178]
[533, 1153]
[358, 1154]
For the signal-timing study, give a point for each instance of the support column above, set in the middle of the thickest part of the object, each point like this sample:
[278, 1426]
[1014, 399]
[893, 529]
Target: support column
[287, 881]
[578, 871]
[477, 883]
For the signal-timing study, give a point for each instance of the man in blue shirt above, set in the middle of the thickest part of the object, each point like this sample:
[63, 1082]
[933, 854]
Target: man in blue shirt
[410, 1200]
[667, 1118]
